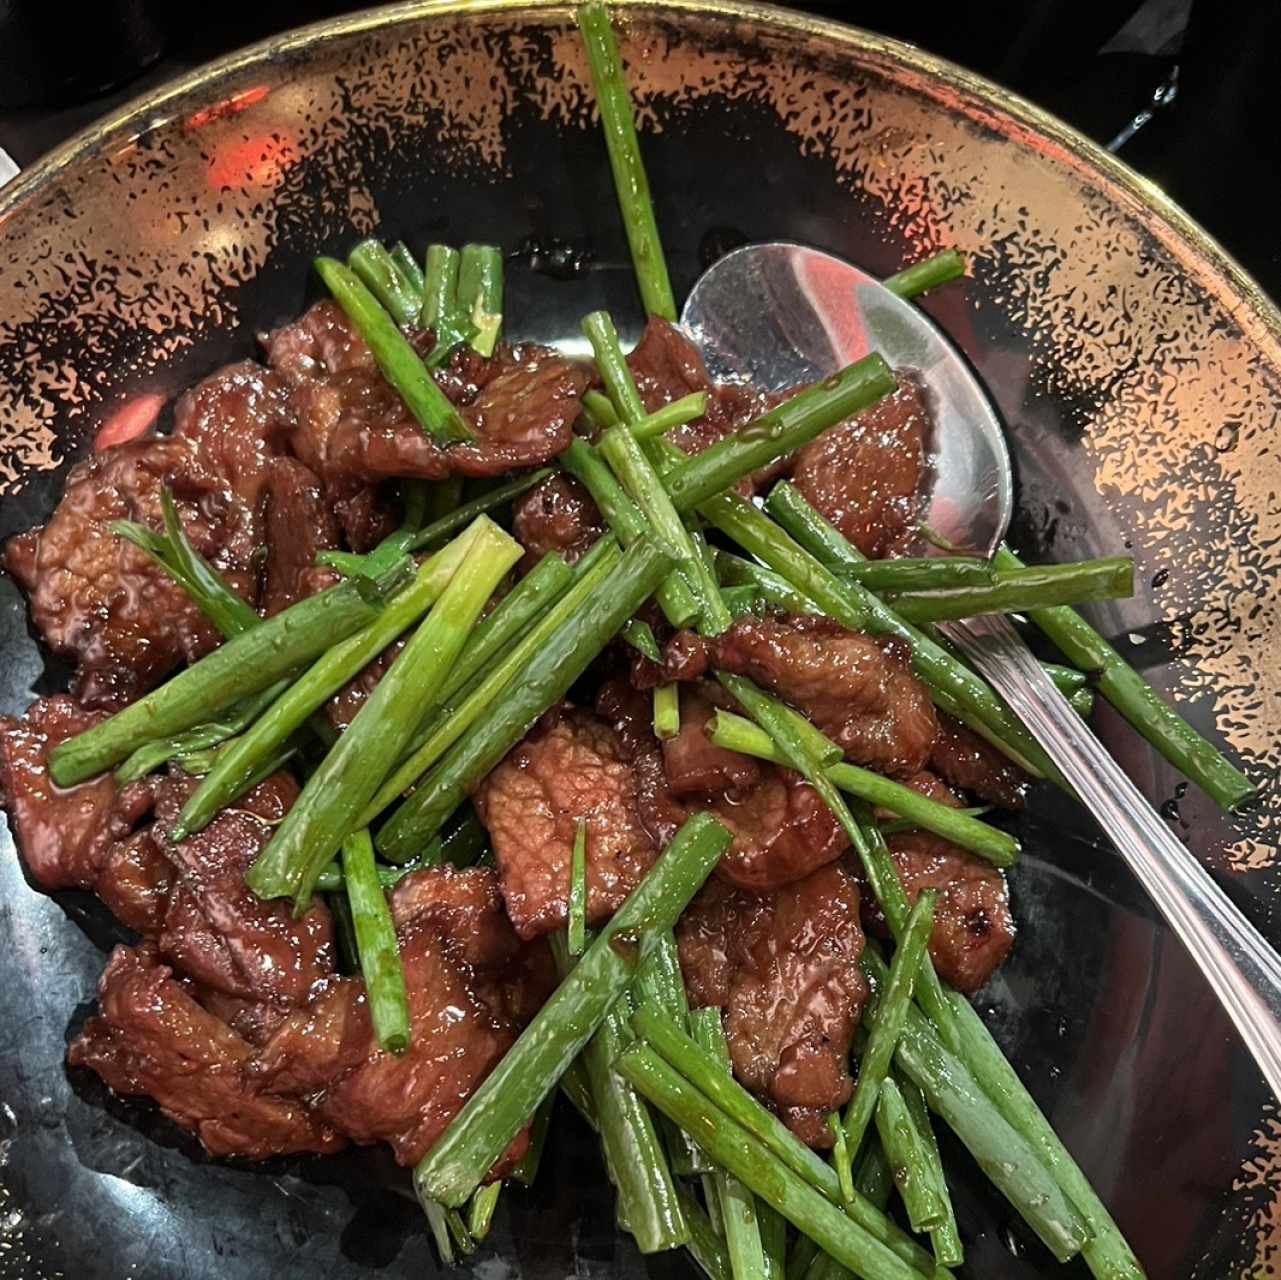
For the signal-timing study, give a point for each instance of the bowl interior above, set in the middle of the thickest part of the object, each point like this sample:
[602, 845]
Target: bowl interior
[1136, 373]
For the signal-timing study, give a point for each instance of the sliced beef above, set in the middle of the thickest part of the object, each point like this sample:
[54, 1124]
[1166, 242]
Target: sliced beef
[964, 760]
[298, 524]
[573, 767]
[556, 515]
[79, 837]
[973, 926]
[240, 419]
[693, 764]
[784, 968]
[782, 829]
[217, 930]
[864, 475]
[461, 960]
[99, 600]
[152, 1038]
[353, 426]
[857, 689]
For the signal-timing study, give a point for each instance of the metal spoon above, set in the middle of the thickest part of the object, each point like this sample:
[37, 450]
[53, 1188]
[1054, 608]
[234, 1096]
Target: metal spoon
[780, 314]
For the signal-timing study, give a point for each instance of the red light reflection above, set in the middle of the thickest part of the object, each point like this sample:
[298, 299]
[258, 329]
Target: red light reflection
[129, 421]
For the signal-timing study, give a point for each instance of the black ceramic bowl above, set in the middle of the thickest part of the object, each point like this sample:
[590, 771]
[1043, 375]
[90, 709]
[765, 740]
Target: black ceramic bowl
[1137, 370]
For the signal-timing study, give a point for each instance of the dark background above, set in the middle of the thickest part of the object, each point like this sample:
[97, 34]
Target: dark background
[1182, 89]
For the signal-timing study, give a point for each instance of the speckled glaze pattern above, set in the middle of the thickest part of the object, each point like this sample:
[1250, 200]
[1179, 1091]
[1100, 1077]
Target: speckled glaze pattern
[1137, 371]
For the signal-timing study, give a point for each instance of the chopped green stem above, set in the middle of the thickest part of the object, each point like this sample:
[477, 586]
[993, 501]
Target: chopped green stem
[773, 586]
[667, 710]
[737, 1204]
[898, 826]
[577, 928]
[954, 685]
[151, 755]
[376, 944]
[707, 1074]
[915, 280]
[617, 377]
[640, 635]
[480, 1210]
[440, 284]
[573, 1084]
[480, 700]
[1108, 1255]
[1138, 702]
[241, 758]
[803, 1253]
[905, 1149]
[245, 665]
[705, 1245]
[410, 270]
[945, 1237]
[398, 361]
[927, 573]
[1013, 1166]
[527, 1073]
[675, 414]
[741, 601]
[463, 515]
[739, 1153]
[563, 657]
[378, 270]
[660, 985]
[788, 426]
[734, 733]
[639, 479]
[480, 294]
[892, 1006]
[1067, 680]
[841, 1157]
[1020, 590]
[757, 533]
[345, 781]
[675, 597]
[600, 409]
[630, 182]
[1082, 702]
[874, 1178]
[633, 1150]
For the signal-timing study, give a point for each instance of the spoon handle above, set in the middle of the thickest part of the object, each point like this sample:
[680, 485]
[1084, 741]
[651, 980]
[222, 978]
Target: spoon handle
[1240, 966]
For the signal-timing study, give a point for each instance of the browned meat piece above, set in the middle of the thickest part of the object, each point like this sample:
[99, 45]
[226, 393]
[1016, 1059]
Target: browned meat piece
[217, 930]
[693, 764]
[97, 598]
[964, 760]
[572, 767]
[153, 1039]
[784, 968]
[556, 515]
[973, 927]
[240, 420]
[858, 690]
[685, 657]
[74, 838]
[864, 474]
[352, 424]
[135, 882]
[298, 524]
[459, 954]
[782, 829]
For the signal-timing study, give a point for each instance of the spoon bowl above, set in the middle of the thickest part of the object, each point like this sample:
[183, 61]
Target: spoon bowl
[779, 315]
